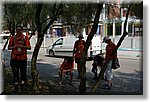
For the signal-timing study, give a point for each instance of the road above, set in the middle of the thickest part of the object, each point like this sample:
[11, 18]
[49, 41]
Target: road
[128, 64]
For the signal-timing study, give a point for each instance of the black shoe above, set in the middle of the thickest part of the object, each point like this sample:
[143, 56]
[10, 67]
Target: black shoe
[70, 83]
[106, 86]
[79, 77]
[93, 81]
[23, 85]
[16, 87]
[95, 78]
[60, 83]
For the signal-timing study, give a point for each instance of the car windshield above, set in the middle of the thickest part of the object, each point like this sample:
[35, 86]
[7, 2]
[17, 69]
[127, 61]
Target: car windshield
[3, 38]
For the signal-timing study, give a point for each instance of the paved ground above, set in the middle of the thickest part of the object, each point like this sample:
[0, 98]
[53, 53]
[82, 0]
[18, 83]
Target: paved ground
[127, 80]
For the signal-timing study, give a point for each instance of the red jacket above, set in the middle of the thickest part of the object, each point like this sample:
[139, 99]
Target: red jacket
[109, 49]
[67, 66]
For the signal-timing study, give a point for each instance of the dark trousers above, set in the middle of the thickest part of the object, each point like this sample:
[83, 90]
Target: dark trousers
[94, 70]
[19, 68]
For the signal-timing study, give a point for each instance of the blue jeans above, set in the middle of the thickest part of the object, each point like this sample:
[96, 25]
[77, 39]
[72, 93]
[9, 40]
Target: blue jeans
[108, 73]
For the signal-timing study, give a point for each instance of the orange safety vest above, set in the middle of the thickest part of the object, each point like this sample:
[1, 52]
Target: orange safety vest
[79, 46]
[18, 53]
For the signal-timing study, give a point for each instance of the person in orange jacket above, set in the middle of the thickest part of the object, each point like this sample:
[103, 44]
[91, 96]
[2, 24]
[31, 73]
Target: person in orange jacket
[19, 44]
[77, 52]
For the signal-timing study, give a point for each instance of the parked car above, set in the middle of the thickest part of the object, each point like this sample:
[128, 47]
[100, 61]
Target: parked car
[63, 46]
[4, 55]
[3, 38]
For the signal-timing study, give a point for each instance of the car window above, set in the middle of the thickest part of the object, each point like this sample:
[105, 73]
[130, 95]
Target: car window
[59, 42]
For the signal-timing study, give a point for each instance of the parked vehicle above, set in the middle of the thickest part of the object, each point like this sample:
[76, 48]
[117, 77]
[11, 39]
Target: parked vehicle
[63, 46]
[4, 55]
[3, 38]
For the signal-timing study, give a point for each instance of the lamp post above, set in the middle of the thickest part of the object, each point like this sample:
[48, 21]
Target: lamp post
[104, 25]
[114, 30]
[133, 39]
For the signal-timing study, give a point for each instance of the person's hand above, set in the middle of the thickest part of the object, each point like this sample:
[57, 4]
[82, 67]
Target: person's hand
[16, 46]
[19, 46]
[73, 57]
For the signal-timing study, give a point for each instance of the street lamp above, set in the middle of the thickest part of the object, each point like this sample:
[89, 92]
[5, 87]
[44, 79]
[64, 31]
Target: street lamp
[132, 39]
[104, 24]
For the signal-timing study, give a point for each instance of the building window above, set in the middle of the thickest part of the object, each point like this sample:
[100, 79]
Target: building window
[109, 29]
[118, 28]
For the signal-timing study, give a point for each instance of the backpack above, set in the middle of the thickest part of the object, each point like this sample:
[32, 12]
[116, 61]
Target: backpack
[115, 63]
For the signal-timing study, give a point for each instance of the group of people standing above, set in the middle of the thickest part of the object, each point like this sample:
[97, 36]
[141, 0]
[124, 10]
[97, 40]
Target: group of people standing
[98, 59]
[19, 44]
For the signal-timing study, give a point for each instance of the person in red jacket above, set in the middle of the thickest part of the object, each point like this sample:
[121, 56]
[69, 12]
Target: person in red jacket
[109, 50]
[66, 68]
[77, 52]
[19, 44]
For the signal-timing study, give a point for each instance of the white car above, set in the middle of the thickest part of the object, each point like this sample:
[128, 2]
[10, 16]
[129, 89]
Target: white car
[63, 46]
[4, 55]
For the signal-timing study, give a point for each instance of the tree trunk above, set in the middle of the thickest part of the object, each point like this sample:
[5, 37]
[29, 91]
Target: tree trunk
[12, 31]
[115, 50]
[82, 86]
[34, 72]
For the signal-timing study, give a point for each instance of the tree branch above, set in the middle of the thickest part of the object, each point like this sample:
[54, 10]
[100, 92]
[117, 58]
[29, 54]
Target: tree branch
[93, 30]
[52, 19]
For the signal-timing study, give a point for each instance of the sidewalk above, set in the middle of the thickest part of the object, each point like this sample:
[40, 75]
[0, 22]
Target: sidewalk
[130, 54]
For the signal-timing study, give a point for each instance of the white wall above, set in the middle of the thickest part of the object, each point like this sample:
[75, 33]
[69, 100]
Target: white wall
[127, 42]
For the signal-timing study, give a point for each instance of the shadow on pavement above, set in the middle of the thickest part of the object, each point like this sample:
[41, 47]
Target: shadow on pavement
[123, 83]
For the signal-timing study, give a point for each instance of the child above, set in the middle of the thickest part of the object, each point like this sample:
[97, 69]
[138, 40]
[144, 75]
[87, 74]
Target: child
[66, 68]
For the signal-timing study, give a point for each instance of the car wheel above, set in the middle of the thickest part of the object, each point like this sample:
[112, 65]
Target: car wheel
[51, 53]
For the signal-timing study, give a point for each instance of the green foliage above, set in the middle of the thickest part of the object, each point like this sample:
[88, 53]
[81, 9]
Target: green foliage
[79, 13]
[137, 10]
[72, 13]
[18, 13]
